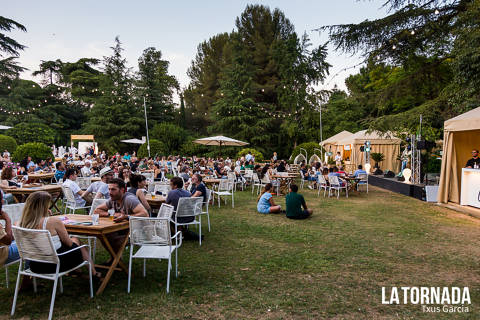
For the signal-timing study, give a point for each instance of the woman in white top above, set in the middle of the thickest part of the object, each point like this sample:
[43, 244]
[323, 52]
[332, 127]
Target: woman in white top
[36, 215]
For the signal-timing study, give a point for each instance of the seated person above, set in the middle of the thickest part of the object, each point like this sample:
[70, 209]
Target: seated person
[8, 247]
[295, 202]
[60, 171]
[70, 178]
[138, 184]
[184, 174]
[304, 172]
[281, 167]
[175, 194]
[198, 188]
[36, 215]
[359, 171]
[100, 188]
[265, 203]
[124, 204]
[86, 170]
[334, 172]
[341, 171]
[7, 178]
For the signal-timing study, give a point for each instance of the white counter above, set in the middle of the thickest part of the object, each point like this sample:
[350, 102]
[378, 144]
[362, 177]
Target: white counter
[470, 189]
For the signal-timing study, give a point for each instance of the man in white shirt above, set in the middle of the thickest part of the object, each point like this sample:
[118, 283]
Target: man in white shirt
[248, 157]
[86, 171]
[70, 177]
[100, 188]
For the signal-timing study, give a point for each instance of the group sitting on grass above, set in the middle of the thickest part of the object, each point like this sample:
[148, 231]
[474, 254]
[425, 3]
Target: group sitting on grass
[296, 205]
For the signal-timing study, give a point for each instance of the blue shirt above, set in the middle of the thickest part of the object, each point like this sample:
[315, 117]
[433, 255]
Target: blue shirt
[59, 175]
[264, 205]
[359, 171]
[30, 164]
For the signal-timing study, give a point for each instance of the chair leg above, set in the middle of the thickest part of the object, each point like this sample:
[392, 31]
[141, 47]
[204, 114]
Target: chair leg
[60, 284]
[144, 268]
[34, 284]
[90, 278]
[94, 249]
[129, 269]
[17, 288]
[6, 276]
[168, 273]
[233, 200]
[200, 234]
[52, 303]
[208, 220]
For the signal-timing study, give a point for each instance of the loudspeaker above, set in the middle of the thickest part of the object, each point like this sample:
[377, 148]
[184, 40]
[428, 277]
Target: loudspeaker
[421, 145]
[362, 148]
[389, 174]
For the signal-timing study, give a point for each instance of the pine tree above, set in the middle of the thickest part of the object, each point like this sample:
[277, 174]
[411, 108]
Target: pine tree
[9, 49]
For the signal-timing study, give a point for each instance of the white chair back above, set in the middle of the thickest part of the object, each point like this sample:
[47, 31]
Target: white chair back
[334, 181]
[189, 206]
[84, 182]
[255, 177]
[363, 177]
[266, 178]
[95, 204]
[231, 176]
[148, 175]
[68, 193]
[163, 188]
[149, 231]
[321, 179]
[14, 211]
[225, 185]
[165, 211]
[35, 245]
[248, 173]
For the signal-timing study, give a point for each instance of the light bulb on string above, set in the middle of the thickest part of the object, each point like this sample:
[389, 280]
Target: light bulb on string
[413, 32]
[394, 47]
[437, 12]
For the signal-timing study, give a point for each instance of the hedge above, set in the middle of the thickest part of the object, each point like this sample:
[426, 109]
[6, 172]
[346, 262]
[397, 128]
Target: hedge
[156, 148]
[38, 151]
[7, 143]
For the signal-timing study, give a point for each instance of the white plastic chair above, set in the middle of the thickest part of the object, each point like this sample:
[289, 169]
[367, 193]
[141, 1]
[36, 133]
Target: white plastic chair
[71, 204]
[163, 188]
[225, 189]
[363, 180]
[84, 182]
[95, 204]
[14, 212]
[336, 185]
[152, 235]
[37, 245]
[149, 175]
[322, 184]
[256, 182]
[205, 206]
[189, 207]
[165, 211]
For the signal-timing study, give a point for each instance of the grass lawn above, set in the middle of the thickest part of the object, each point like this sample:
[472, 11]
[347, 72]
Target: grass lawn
[254, 266]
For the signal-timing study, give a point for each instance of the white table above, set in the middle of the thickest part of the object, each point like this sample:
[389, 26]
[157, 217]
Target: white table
[470, 188]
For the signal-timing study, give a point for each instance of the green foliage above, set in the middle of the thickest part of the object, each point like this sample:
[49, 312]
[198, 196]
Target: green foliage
[433, 165]
[8, 67]
[38, 151]
[156, 148]
[172, 136]
[310, 148]
[257, 154]
[32, 132]
[194, 149]
[7, 143]
[377, 157]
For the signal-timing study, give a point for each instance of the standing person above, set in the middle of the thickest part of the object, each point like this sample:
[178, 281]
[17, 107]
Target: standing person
[338, 159]
[265, 203]
[36, 215]
[295, 202]
[274, 158]
[249, 156]
[474, 162]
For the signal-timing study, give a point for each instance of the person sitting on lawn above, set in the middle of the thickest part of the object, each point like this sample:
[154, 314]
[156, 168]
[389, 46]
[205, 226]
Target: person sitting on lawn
[265, 203]
[295, 202]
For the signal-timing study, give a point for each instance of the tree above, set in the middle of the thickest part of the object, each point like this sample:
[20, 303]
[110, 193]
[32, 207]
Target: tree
[115, 115]
[172, 136]
[8, 67]
[32, 132]
[156, 85]
[50, 70]
[38, 151]
[7, 143]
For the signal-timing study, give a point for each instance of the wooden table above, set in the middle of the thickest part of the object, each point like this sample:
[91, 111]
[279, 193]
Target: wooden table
[95, 179]
[55, 191]
[352, 182]
[157, 202]
[100, 231]
[284, 182]
[40, 176]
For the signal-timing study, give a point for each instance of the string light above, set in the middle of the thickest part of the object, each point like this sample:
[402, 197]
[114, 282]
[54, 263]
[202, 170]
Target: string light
[412, 33]
[437, 12]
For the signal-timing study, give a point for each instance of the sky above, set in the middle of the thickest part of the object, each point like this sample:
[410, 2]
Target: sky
[70, 30]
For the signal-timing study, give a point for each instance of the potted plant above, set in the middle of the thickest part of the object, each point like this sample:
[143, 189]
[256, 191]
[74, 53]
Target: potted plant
[377, 157]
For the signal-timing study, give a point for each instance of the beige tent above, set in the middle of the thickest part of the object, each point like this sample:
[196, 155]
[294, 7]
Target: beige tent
[383, 143]
[330, 144]
[461, 135]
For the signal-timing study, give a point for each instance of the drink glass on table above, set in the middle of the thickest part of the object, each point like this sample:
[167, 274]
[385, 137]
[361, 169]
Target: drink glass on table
[95, 218]
[111, 212]
[153, 195]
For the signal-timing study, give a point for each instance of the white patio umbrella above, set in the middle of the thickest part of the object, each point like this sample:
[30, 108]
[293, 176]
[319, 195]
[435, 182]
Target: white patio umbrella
[220, 141]
[2, 127]
[135, 141]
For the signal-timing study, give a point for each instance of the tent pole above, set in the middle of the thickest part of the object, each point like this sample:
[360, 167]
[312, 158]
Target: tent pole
[146, 125]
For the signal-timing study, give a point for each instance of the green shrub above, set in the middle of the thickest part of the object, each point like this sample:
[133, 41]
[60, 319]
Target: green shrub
[190, 148]
[310, 148]
[38, 151]
[377, 157]
[7, 143]
[32, 132]
[156, 148]
[172, 136]
[434, 165]
[257, 154]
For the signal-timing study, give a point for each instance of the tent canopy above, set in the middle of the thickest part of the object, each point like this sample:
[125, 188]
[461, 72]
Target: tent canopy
[460, 137]
[335, 138]
[220, 141]
[468, 121]
[374, 137]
